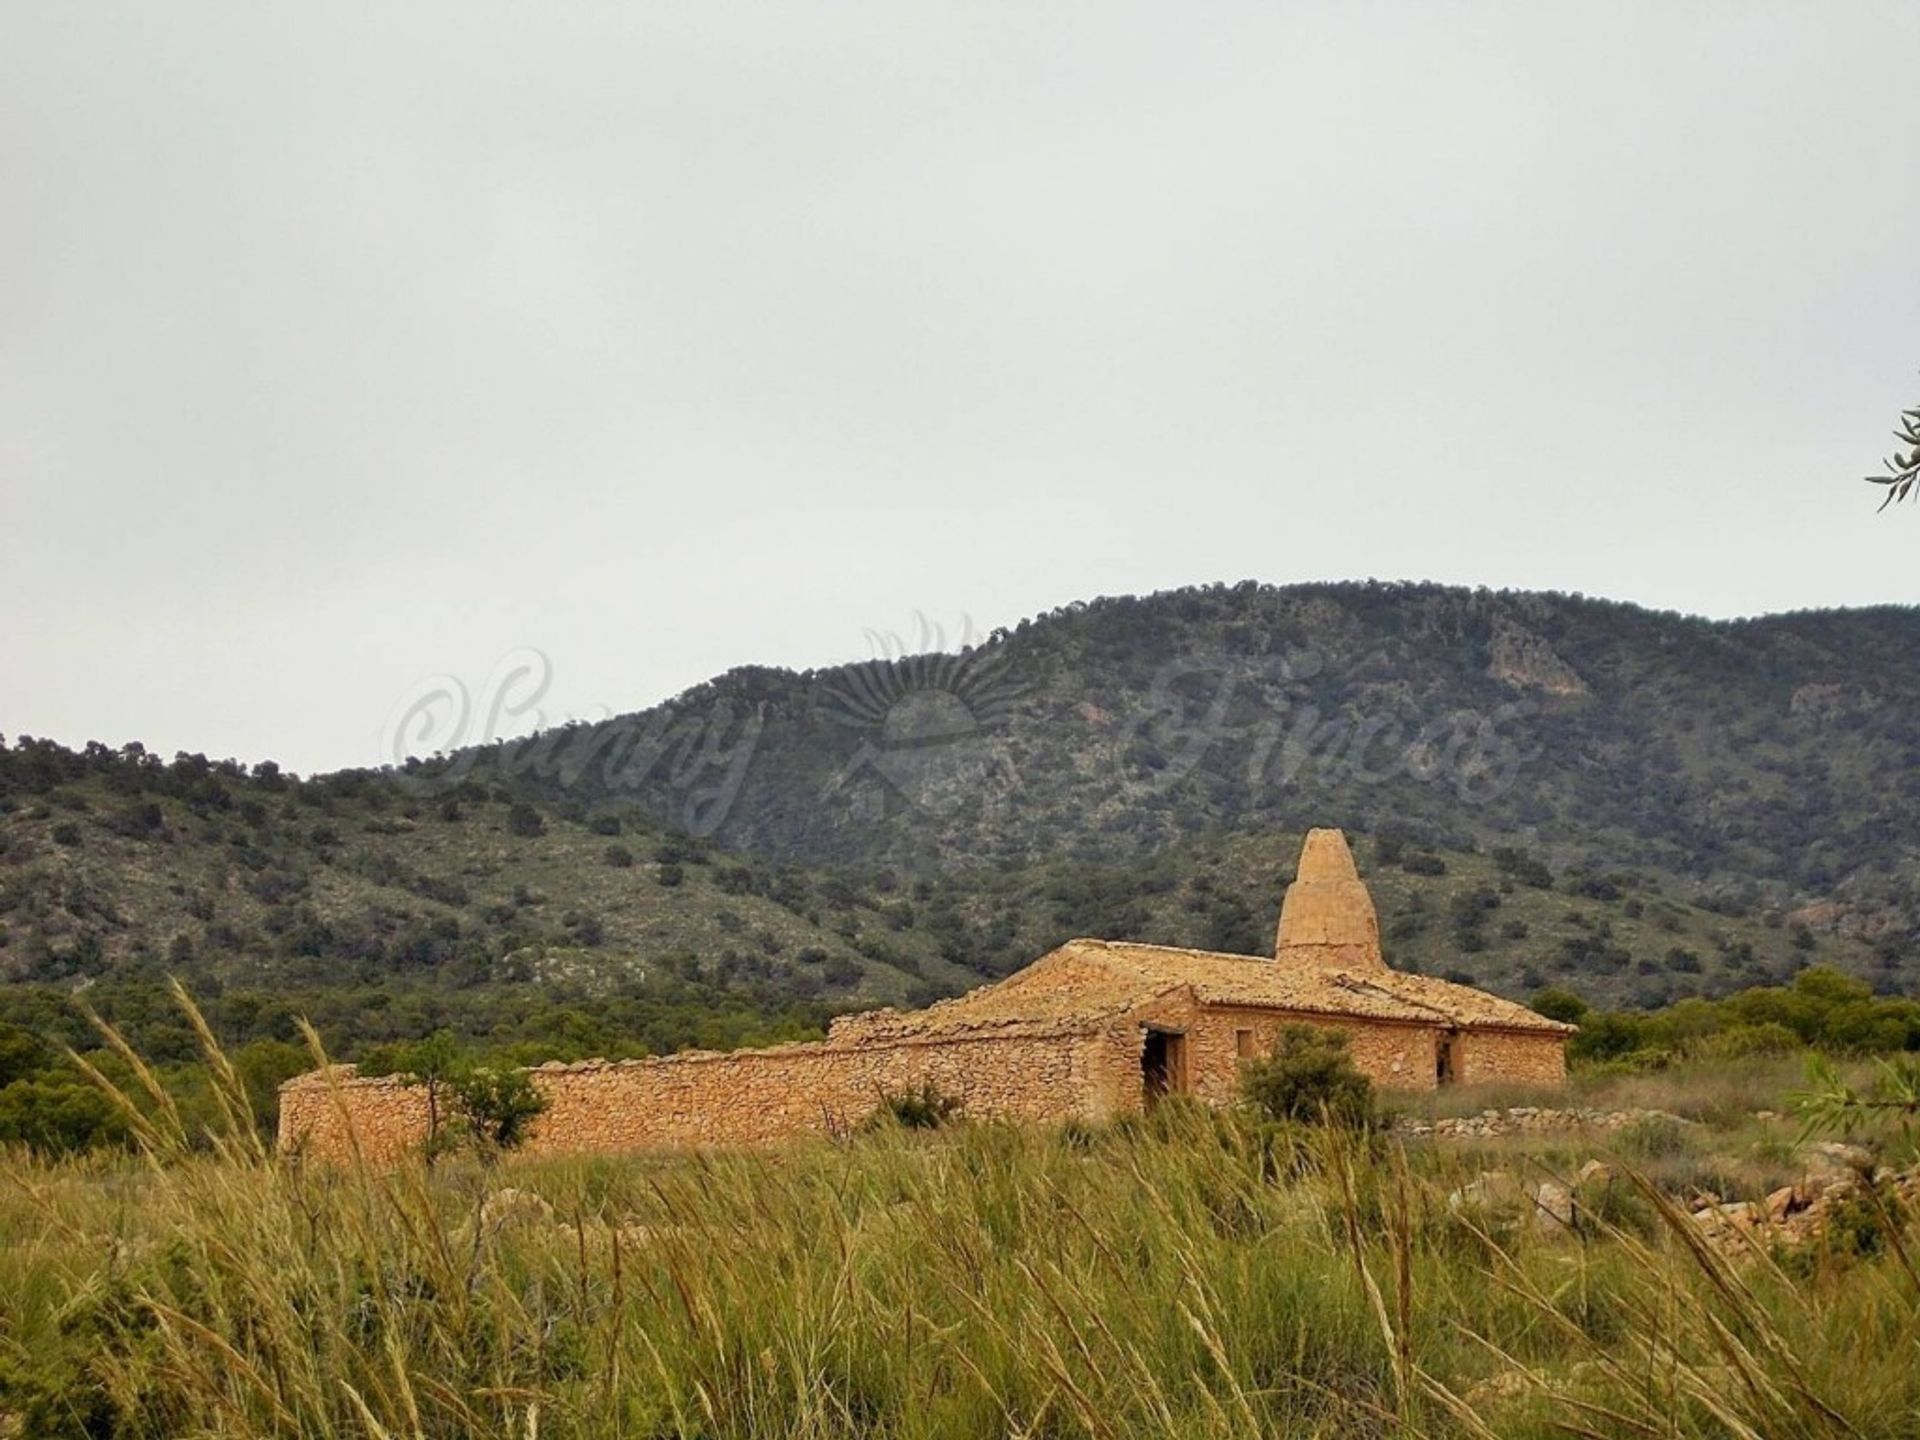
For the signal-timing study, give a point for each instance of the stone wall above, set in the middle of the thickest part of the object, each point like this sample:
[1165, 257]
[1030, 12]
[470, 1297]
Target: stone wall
[1218, 1038]
[757, 1097]
[329, 1116]
[744, 1098]
[1327, 915]
[1482, 1057]
[1396, 1057]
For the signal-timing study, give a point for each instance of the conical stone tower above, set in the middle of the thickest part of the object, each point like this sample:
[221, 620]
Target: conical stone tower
[1328, 918]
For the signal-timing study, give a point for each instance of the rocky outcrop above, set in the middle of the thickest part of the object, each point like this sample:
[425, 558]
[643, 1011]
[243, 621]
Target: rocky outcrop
[1825, 703]
[1525, 661]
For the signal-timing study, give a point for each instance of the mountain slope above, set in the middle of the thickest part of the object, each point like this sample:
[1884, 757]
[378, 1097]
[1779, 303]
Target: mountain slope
[1546, 790]
[1773, 756]
[113, 868]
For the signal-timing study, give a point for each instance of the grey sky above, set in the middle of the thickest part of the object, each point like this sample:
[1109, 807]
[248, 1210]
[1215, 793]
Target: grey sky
[344, 345]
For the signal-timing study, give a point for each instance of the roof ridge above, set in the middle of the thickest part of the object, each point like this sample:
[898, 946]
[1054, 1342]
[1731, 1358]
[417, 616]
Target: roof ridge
[1171, 949]
[1347, 980]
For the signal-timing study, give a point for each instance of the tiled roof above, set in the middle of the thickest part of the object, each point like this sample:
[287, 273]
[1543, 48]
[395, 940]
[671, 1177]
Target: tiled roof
[1086, 982]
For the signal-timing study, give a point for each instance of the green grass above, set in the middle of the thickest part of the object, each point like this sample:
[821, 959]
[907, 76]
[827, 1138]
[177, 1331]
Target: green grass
[1188, 1274]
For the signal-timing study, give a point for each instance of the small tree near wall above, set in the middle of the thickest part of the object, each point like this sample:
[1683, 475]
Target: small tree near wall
[498, 1107]
[467, 1103]
[1309, 1077]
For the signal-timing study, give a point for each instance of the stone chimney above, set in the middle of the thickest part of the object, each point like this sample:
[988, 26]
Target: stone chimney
[1327, 918]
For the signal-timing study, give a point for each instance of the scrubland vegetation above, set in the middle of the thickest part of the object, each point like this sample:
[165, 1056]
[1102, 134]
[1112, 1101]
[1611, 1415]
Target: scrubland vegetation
[1183, 1274]
[48, 1105]
[1721, 805]
[1186, 1274]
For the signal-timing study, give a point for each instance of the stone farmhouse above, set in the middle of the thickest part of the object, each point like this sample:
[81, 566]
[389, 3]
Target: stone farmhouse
[1095, 1029]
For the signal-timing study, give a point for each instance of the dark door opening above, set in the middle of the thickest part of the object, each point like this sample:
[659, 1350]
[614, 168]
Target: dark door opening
[1443, 1058]
[1163, 1064]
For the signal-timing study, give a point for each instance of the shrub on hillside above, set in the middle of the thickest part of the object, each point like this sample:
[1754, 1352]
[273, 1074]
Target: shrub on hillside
[1523, 867]
[1557, 1003]
[1768, 1038]
[838, 970]
[1822, 1010]
[1309, 1076]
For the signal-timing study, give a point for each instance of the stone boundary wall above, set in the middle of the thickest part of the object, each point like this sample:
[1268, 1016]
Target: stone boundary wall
[1007, 1069]
[694, 1099]
[1532, 1120]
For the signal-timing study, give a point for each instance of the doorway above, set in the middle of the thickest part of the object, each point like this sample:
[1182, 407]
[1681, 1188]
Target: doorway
[1443, 1057]
[1163, 1065]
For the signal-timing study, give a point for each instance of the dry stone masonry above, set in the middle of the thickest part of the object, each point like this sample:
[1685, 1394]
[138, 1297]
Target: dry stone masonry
[1095, 1029]
[1531, 1120]
[1327, 917]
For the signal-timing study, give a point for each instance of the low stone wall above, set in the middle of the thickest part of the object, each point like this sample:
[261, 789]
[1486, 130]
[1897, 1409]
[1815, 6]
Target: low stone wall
[742, 1098]
[1530, 1120]
[1006, 1069]
[333, 1115]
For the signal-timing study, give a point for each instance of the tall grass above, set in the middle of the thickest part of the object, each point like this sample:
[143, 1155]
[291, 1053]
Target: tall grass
[1190, 1275]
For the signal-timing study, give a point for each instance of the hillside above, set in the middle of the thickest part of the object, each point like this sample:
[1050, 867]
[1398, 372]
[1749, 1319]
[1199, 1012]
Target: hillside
[114, 866]
[1546, 790]
[128, 867]
[1770, 759]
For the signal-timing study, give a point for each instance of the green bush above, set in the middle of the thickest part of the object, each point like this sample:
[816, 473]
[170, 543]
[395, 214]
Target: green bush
[467, 1103]
[1309, 1076]
[1823, 1010]
[1769, 1038]
[498, 1106]
[1654, 1137]
[926, 1108]
[1560, 1003]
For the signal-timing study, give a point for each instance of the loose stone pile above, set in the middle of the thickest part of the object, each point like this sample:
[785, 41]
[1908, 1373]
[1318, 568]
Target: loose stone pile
[1839, 1176]
[1841, 1185]
[1528, 1120]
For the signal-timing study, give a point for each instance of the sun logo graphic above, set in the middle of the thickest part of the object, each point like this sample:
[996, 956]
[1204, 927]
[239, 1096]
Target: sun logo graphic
[926, 717]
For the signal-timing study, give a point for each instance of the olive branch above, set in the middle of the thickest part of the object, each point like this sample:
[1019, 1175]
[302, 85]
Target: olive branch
[1902, 471]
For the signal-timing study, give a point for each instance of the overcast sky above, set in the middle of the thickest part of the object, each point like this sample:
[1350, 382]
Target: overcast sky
[343, 346]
